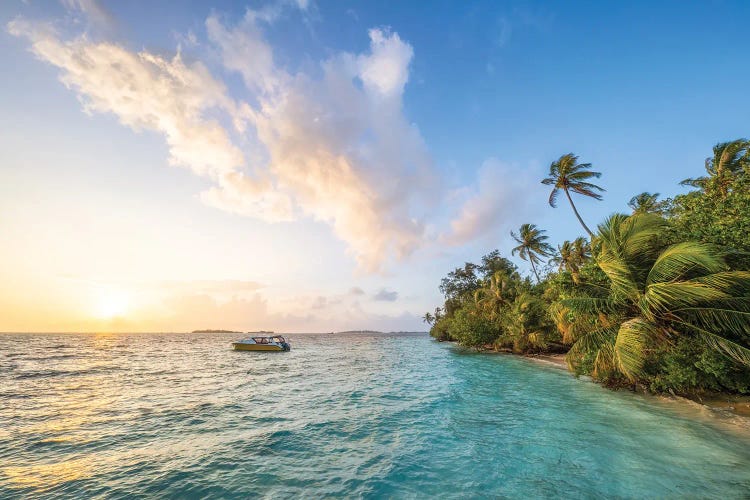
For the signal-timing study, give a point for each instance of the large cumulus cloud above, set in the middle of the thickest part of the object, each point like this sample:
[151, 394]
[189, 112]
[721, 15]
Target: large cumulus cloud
[335, 147]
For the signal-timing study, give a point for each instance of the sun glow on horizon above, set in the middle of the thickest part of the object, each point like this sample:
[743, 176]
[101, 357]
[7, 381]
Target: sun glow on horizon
[110, 303]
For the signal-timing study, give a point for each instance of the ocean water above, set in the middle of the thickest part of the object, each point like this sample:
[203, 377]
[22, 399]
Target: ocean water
[182, 415]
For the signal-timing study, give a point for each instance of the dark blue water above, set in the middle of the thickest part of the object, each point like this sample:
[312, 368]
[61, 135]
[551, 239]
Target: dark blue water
[173, 415]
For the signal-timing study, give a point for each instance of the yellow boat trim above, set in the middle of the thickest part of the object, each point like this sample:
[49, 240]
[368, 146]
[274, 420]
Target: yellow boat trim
[239, 346]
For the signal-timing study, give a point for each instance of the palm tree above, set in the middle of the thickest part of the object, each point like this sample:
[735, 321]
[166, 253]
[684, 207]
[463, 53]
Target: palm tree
[428, 318]
[524, 324]
[581, 250]
[729, 159]
[571, 256]
[531, 245]
[564, 256]
[569, 175]
[646, 203]
[657, 292]
[498, 294]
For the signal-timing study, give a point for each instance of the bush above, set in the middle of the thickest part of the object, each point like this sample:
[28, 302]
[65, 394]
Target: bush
[473, 330]
[691, 367]
[441, 329]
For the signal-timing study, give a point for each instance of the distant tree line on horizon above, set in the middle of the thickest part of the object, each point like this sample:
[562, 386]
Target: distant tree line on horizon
[659, 297]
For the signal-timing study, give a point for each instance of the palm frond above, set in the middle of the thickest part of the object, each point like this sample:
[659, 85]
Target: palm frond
[698, 182]
[584, 174]
[731, 318]
[590, 342]
[604, 361]
[662, 297]
[681, 259]
[736, 283]
[624, 280]
[629, 347]
[588, 185]
[732, 349]
[590, 305]
[553, 197]
[586, 192]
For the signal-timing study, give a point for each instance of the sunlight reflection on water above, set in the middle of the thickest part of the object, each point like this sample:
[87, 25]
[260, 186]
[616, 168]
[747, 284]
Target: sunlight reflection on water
[183, 415]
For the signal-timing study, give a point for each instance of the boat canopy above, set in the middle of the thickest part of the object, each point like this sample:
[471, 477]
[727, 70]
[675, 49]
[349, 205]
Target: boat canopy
[266, 340]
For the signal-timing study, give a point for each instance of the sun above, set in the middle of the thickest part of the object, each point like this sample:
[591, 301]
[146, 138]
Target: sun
[111, 303]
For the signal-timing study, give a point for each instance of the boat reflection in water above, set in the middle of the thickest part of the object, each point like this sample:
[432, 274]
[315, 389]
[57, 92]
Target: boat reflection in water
[259, 343]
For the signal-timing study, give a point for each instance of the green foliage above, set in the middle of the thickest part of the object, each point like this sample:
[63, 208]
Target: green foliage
[526, 326]
[441, 329]
[532, 245]
[690, 367]
[655, 293]
[660, 297]
[494, 262]
[709, 217]
[647, 203]
[460, 282]
[472, 329]
[567, 174]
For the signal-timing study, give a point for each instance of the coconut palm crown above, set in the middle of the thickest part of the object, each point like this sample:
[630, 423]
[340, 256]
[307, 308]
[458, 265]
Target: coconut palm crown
[500, 292]
[729, 159]
[532, 245]
[567, 174]
[646, 203]
[658, 292]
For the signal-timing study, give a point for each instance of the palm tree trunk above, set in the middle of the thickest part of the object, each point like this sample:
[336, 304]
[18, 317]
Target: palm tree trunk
[533, 268]
[577, 215]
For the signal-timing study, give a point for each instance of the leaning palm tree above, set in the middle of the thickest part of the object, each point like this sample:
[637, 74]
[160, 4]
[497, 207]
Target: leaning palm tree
[657, 292]
[531, 245]
[646, 203]
[569, 175]
[428, 318]
[729, 159]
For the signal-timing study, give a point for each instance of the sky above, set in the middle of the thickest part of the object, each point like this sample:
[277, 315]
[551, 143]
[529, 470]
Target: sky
[309, 165]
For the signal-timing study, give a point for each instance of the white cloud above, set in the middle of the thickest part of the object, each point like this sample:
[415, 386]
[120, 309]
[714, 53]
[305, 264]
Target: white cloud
[386, 69]
[145, 92]
[337, 148]
[149, 92]
[344, 152]
[503, 197]
[245, 51]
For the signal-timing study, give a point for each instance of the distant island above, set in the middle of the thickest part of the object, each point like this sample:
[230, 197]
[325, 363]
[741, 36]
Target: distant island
[214, 331]
[379, 332]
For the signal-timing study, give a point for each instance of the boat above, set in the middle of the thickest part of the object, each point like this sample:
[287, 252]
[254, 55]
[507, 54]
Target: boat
[273, 343]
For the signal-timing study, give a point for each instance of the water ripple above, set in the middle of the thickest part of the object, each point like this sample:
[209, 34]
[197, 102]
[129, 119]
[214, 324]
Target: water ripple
[181, 415]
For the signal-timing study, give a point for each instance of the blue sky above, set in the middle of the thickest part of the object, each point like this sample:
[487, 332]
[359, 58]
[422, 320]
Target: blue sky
[445, 115]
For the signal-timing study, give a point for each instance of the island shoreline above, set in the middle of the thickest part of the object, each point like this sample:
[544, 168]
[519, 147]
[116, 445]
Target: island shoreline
[727, 411]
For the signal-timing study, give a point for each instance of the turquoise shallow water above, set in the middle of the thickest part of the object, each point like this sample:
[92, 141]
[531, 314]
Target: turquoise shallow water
[178, 415]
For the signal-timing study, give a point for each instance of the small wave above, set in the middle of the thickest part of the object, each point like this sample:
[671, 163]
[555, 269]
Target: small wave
[62, 373]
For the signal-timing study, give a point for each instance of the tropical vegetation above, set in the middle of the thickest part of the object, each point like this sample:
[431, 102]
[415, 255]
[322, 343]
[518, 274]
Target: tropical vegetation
[658, 297]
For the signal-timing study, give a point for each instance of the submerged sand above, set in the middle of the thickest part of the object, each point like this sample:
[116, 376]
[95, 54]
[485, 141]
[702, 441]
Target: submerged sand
[725, 410]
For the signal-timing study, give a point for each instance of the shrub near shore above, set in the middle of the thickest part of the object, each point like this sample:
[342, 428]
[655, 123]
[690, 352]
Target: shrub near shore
[659, 297]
